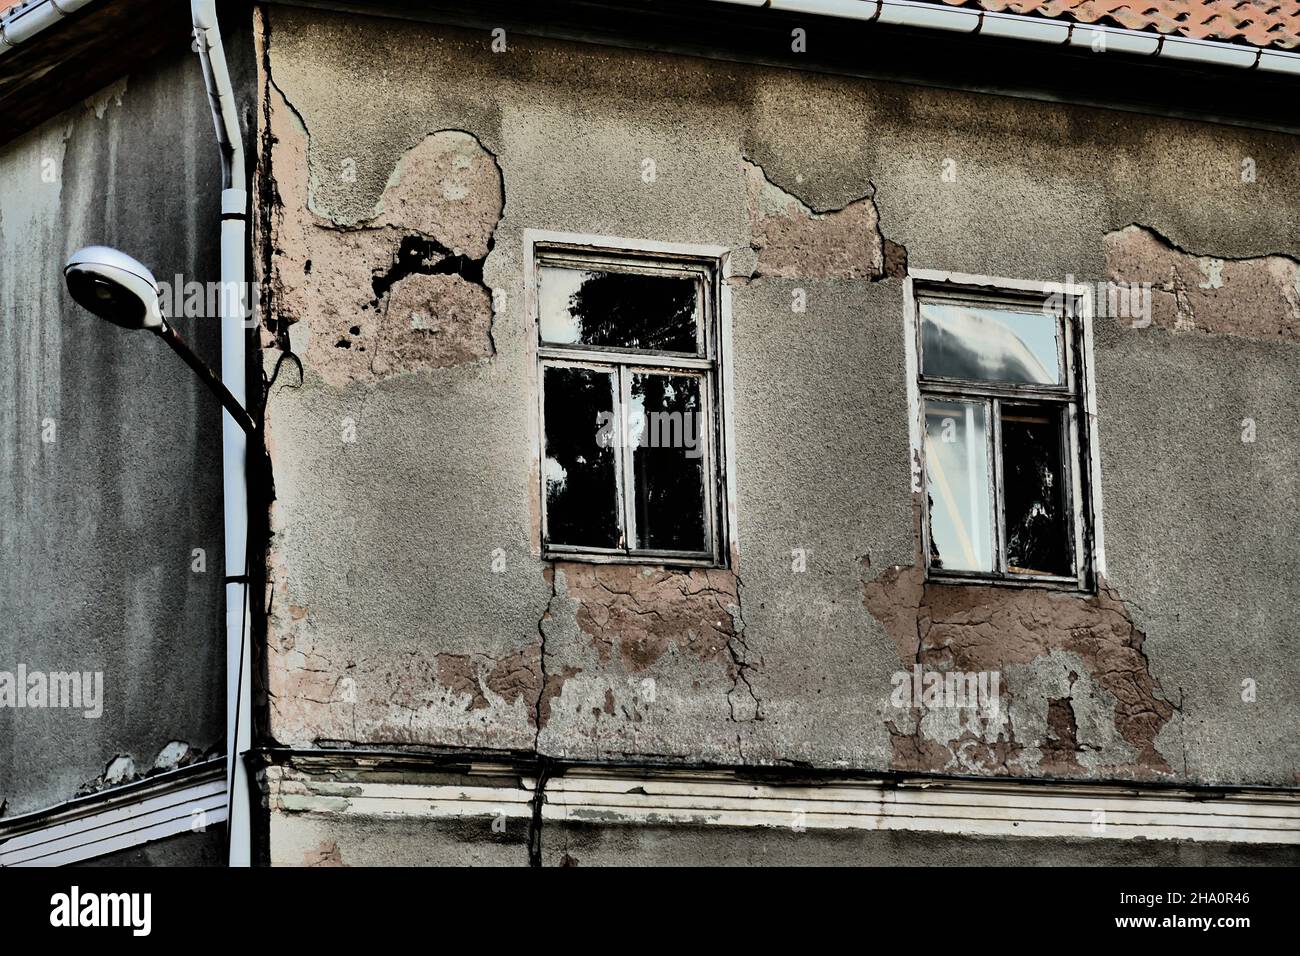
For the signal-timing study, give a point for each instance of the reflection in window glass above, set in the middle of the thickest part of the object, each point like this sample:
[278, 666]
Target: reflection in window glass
[666, 434]
[578, 465]
[619, 309]
[957, 482]
[986, 344]
[1034, 491]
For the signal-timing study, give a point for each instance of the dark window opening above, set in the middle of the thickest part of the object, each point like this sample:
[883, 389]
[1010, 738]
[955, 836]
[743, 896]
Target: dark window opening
[629, 425]
[667, 463]
[579, 474]
[1033, 481]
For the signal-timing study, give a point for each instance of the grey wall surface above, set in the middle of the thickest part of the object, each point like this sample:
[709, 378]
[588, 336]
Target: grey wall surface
[99, 524]
[388, 623]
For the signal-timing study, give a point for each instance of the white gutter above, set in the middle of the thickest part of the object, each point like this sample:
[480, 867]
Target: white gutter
[234, 444]
[23, 22]
[934, 16]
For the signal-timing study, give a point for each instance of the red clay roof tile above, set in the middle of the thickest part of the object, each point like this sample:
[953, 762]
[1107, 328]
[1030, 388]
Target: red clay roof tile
[1266, 23]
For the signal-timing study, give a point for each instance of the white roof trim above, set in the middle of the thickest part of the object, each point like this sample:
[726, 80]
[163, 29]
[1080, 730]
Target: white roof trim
[1056, 30]
[179, 801]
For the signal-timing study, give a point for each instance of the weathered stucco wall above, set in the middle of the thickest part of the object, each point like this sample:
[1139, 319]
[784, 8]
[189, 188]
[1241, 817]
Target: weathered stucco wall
[405, 163]
[110, 449]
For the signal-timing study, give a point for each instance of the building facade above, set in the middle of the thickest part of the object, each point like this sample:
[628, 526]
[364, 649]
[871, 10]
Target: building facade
[705, 433]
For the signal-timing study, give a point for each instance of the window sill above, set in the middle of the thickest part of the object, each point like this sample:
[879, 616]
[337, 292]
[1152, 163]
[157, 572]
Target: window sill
[643, 558]
[1068, 585]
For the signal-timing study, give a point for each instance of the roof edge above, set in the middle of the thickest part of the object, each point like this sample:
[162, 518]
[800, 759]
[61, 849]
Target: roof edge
[1049, 30]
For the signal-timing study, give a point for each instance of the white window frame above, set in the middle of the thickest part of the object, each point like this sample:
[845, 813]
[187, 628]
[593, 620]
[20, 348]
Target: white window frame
[1083, 471]
[710, 263]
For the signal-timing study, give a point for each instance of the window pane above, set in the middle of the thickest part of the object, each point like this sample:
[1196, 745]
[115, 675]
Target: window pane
[579, 464]
[989, 345]
[1034, 491]
[957, 480]
[666, 433]
[619, 310]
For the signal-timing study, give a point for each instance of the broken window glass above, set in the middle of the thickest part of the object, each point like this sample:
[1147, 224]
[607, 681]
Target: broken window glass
[642, 330]
[957, 482]
[1037, 533]
[666, 435]
[623, 310]
[579, 465]
[990, 344]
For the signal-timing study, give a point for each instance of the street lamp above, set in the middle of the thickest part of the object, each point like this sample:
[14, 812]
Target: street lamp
[118, 289]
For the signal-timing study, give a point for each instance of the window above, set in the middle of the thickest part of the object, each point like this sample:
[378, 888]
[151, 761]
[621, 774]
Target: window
[630, 428]
[1000, 388]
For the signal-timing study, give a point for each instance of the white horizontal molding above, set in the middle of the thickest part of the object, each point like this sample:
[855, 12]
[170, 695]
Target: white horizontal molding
[968, 807]
[171, 803]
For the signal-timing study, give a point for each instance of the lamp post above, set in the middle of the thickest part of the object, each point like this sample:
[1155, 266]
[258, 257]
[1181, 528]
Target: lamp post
[118, 289]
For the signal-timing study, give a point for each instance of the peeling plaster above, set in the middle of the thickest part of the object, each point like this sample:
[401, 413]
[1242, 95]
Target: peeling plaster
[110, 95]
[327, 854]
[794, 240]
[1077, 690]
[636, 614]
[122, 768]
[400, 291]
[519, 677]
[1257, 297]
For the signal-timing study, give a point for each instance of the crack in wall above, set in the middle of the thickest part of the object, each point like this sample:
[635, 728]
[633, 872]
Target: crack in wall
[741, 663]
[634, 614]
[551, 685]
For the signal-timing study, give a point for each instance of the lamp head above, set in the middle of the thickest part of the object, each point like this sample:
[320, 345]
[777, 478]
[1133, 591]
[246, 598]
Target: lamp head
[114, 287]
